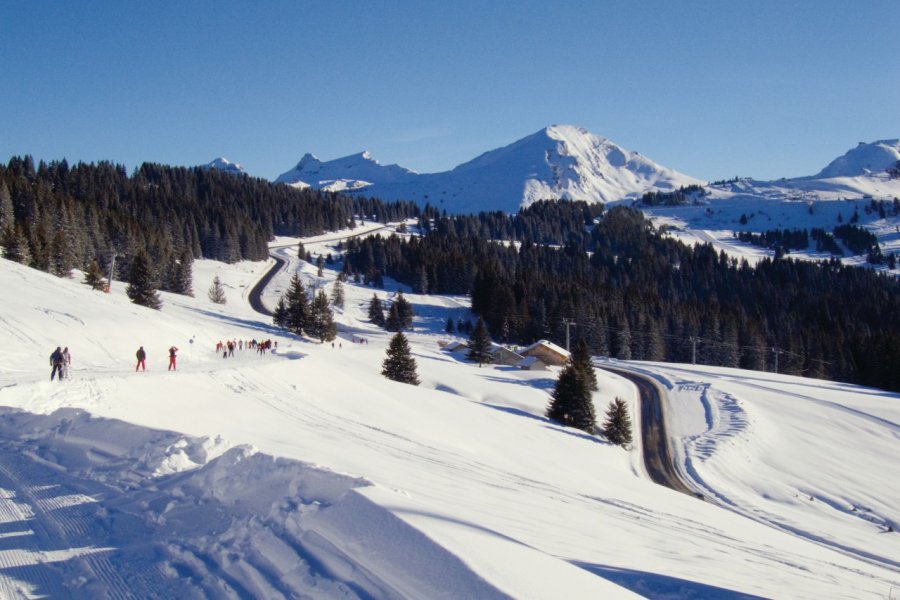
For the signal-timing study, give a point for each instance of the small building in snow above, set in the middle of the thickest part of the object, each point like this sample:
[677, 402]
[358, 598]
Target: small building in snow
[531, 363]
[504, 356]
[548, 352]
[456, 347]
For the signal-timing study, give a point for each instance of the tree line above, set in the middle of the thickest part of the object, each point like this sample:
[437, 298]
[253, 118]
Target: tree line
[56, 217]
[635, 294]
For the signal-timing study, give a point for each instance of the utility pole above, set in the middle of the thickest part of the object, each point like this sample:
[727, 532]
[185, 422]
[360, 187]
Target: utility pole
[693, 350]
[776, 351]
[567, 322]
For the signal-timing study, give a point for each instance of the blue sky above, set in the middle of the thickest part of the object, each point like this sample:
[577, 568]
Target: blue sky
[713, 89]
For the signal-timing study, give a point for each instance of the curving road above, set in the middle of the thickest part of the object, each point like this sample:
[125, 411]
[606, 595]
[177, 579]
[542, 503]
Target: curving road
[657, 455]
[255, 295]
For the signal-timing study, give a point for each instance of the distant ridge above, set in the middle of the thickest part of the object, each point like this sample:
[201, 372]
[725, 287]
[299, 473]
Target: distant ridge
[223, 164]
[561, 162]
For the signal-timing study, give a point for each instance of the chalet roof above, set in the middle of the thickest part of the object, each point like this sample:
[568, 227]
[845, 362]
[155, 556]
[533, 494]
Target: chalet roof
[549, 345]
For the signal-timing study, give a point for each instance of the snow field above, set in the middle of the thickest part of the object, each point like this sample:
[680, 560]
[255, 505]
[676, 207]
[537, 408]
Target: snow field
[304, 472]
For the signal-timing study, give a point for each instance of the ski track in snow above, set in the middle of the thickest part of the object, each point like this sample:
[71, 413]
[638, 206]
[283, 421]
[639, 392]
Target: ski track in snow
[726, 419]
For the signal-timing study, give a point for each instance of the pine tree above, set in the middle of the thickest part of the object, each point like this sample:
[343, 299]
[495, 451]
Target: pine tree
[7, 214]
[571, 404]
[183, 278]
[141, 284]
[337, 294]
[393, 322]
[450, 327]
[480, 344]
[94, 276]
[581, 359]
[217, 292]
[297, 306]
[15, 246]
[320, 323]
[376, 311]
[399, 365]
[400, 315]
[617, 427]
[279, 315]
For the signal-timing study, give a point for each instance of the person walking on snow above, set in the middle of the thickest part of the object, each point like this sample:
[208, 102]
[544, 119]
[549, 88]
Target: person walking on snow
[67, 360]
[56, 361]
[172, 352]
[141, 360]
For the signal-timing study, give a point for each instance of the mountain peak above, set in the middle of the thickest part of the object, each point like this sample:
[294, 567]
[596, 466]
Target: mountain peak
[864, 159]
[223, 164]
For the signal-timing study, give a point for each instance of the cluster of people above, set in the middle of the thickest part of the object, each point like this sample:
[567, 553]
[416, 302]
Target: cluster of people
[141, 355]
[60, 360]
[228, 347]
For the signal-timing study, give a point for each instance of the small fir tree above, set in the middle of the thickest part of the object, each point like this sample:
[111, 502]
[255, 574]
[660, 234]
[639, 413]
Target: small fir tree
[376, 311]
[617, 427]
[297, 306]
[141, 285]
[581, 358]
[393, 322]
[279, 315]
[450, 327]
[217, 292]
[183, 278]
[480, 344]
[94, 276]
[15, 246]
[321, 324]
[399, 365]
[571, 404]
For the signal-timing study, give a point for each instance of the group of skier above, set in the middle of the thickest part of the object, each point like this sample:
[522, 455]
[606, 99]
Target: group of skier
[60, 360]
[228, 347]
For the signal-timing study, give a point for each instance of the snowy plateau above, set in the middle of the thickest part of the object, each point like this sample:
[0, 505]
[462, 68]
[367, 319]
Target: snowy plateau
[304, 473]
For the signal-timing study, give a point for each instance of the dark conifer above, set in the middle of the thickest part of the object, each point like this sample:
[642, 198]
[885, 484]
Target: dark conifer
[297, 306]
[617, 427]
[480, 344]
[141, 282]
[571, 404]
[93, 276]
[320, 323]
[399, 365]
[581, 359]
[450, 327]
[376, 311]
[183, 278]
[393, 322]
[279, 315]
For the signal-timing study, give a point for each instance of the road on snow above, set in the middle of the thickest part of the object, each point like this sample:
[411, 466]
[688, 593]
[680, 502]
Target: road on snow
[657, 455]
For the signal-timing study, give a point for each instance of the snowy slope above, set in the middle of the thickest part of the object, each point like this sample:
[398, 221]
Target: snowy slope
[304, 473]
[223, 164]
[558, 162]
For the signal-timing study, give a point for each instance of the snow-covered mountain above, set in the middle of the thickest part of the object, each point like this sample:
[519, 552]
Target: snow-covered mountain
[223, 164]
[346, 174]
[558, 162]
[865, 159]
